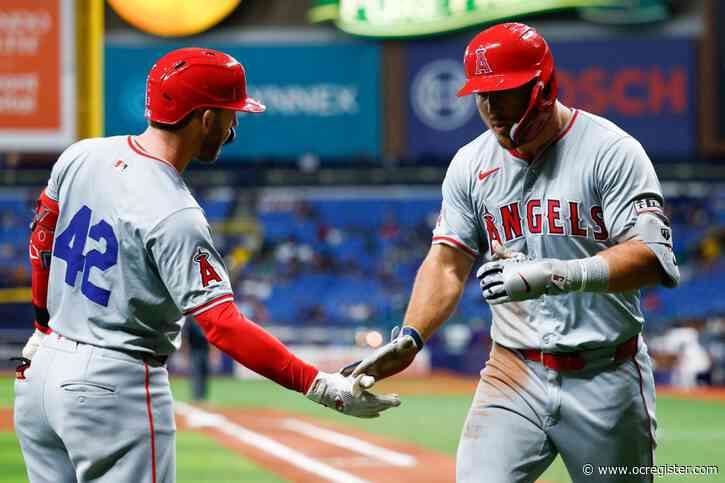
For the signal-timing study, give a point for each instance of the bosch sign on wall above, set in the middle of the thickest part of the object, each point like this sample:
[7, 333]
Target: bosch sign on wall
[324, 101]
[646, 86]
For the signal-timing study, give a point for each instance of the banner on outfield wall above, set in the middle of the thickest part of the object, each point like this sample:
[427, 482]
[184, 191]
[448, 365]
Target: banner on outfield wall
[646, 86]
[411, 18]
[321, 99]
[37, 75]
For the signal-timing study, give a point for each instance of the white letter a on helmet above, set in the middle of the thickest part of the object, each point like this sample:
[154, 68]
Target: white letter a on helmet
[482, 66]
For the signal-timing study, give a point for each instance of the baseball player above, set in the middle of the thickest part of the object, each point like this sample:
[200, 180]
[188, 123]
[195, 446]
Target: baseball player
[121, 252]
[566, 210]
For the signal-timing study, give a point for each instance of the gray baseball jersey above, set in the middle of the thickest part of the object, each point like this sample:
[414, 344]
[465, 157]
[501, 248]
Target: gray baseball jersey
[579, 198]
[133, 252]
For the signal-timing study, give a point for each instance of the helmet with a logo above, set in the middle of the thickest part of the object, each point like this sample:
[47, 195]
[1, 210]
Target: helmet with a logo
[507, 56]
[192, 78]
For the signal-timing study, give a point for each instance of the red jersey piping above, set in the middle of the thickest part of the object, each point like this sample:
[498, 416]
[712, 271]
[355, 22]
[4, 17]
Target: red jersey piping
[455, 243]
[140, 150]
[203, 307]
[149, 411]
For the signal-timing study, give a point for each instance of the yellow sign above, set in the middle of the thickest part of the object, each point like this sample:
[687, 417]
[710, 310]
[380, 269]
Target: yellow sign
[173, 18]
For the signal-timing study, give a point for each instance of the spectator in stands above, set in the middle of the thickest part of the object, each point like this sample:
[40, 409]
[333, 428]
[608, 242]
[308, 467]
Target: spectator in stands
[198, 360]
[681, 350]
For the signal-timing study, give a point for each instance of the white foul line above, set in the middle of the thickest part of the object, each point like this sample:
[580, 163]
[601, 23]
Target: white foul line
[199, 418]
[349, 442]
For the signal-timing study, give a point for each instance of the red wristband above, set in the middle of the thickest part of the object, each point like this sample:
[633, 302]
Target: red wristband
[43, 328]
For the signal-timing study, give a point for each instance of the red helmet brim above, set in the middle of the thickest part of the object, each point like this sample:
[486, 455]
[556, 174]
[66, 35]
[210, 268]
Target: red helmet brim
[494, 83]
[249, 105]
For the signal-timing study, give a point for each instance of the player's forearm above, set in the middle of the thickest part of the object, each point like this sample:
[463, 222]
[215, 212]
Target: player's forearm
[631, 266]
[255, 348]
[437, 289]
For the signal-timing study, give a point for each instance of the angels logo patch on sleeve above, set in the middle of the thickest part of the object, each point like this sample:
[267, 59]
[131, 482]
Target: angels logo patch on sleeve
[206, 270]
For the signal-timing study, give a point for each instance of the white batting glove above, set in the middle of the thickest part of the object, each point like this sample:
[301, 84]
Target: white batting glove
[346, 395]
[518, 279]
[31, 347]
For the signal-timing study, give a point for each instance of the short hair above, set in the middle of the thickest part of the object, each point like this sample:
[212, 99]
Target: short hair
[177, 126]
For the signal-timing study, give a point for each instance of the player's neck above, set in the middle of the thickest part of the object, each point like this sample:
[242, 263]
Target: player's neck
[172, 147]
[556, 124]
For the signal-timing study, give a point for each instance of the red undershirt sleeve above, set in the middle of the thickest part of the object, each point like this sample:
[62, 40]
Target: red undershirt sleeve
[39, 252]
[253, 347]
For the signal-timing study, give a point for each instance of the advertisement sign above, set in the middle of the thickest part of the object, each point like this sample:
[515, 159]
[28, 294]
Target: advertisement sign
[409, 18]
[321, 99]
[37, 79]
[646, 86]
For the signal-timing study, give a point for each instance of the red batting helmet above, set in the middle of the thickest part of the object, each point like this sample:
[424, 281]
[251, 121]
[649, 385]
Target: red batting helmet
[187, 79]
[507, 56]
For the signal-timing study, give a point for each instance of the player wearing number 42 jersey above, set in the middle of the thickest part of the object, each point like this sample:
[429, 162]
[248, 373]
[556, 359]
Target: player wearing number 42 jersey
[121, 252]
[566, 212]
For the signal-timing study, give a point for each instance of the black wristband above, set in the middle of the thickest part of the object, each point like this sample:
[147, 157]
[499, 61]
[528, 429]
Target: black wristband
[411, 331]
[41, 316]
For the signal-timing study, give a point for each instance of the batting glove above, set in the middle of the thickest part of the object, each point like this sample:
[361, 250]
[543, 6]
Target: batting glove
[389, 359]
[345, 395]
[517, 279]
[31, 347]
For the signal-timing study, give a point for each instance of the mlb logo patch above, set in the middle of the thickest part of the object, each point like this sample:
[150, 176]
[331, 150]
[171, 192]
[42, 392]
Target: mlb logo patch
[120, 166]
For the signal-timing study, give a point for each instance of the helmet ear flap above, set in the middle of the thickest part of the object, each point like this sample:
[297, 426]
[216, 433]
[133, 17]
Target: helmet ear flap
[541, 105]
[520, 131]
[549, 92]
[537, 94]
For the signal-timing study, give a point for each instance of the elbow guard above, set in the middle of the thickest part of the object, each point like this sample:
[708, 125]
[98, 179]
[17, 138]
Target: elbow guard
[39, 250]
[653, 229]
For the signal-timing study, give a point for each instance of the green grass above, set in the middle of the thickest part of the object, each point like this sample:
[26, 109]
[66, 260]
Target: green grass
[691, 431]
[11, 461]
[435, 412]
[211, 462]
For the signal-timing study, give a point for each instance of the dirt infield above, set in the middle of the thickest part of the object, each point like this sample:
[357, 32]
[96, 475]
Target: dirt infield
[303, 449]
[439, 382]
[6, 419]
[446, 383]
[700, 394]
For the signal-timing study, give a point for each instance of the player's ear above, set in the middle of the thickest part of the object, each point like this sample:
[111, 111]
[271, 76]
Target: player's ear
[208, 117]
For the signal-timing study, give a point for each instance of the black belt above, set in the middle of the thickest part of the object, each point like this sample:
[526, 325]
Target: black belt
[150, 359]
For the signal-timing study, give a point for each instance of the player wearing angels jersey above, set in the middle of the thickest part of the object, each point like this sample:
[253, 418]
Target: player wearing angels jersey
[121, 251]
[565, 210]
